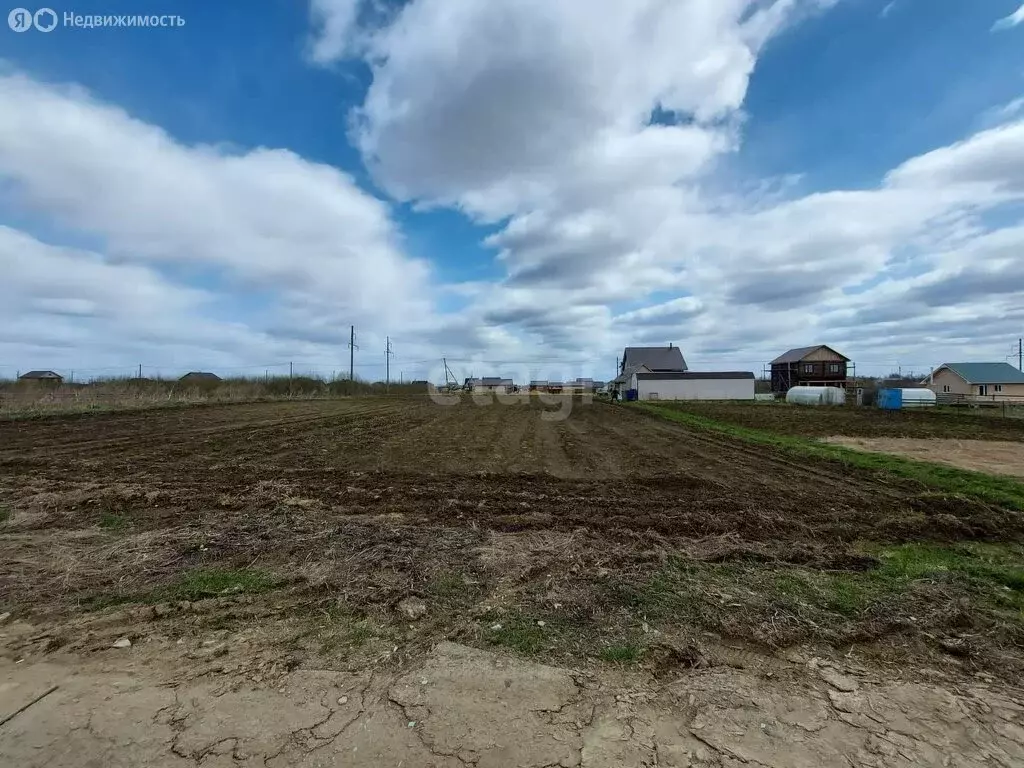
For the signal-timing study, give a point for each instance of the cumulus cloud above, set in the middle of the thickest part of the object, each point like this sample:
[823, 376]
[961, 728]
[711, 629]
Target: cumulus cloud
[493, 105]
[296, 239]
[594, 133]
[265, 218]
[591, 136]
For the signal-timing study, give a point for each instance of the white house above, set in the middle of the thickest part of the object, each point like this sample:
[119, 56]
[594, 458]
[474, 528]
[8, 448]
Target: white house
[693, 385]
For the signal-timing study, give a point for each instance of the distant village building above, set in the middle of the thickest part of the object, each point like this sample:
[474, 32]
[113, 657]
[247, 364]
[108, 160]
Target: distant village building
[43, 377]
[199, 377]
[489, 384]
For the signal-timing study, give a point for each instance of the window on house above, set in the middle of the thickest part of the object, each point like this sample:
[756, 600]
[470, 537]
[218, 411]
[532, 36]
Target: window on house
[945, 387]
[833, 367]
[999, 387]
[808, 367]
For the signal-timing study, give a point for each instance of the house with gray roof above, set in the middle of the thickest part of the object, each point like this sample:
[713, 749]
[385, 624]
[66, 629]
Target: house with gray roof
[43, 377]
[991, 381]
[489, 384]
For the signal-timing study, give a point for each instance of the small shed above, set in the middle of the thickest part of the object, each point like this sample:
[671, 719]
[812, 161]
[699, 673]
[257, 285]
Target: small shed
[199, 377]
[43, 377]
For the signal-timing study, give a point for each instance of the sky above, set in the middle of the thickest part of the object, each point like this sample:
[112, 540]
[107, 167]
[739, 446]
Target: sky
[520, 187]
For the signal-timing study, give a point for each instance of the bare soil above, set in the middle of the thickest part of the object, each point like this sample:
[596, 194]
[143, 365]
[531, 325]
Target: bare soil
[611, 534]
[849, 421]
[460, 706]
[996, 457]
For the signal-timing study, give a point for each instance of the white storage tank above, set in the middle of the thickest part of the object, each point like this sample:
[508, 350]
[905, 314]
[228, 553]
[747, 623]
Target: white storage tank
[816, 396]
[917, 397]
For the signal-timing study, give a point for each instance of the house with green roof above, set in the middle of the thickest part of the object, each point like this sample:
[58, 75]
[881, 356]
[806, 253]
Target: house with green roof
[993, 381]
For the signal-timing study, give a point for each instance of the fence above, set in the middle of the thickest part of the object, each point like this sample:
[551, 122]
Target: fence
[1009, 406]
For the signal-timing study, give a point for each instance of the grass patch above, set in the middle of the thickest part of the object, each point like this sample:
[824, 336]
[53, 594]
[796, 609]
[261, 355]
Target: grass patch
[993, 573]
[113, 521]
[5, 513]
[621, 654]
[341, 641]
[210, 582]
[193, 585]
[519, 634]
[1005, 492]
[925, 587]
[448, 585]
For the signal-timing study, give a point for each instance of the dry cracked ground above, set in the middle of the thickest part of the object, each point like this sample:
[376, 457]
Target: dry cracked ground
[461, 706]
[239, 586]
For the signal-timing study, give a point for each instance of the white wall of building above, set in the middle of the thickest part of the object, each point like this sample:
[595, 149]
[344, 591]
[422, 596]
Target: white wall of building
[693, 389]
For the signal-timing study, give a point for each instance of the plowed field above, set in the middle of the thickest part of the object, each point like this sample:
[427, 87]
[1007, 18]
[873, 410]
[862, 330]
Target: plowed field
[480, 511]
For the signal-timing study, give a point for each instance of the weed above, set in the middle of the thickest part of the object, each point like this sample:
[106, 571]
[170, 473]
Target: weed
[621, 654]
[998, 490]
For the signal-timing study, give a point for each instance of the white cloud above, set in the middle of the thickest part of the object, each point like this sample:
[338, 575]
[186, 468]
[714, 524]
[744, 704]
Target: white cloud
[611, 228]
[266, 218]
[296, 251]
[492, 106]
[537, 115]
[335, 29]
[1009, 22]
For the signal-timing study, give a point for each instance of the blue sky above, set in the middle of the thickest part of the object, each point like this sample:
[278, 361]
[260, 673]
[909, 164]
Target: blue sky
[479, 181]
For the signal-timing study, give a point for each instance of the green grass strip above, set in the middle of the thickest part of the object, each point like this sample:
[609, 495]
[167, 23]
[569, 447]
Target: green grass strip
[1003, 491]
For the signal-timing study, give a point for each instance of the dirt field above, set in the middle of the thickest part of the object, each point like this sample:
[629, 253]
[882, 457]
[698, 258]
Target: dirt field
[806, 421]
[992, 456]
[320, 530]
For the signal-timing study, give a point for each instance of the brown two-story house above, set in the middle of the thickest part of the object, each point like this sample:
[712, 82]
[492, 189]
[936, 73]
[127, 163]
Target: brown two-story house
[818, 366]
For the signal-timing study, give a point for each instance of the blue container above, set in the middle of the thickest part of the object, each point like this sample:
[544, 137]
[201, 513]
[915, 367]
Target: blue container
[631, 394]
[890, 399]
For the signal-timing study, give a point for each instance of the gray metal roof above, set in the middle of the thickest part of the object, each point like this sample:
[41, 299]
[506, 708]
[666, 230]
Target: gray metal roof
[623, 377]
[986, 373]
[40, 375]
[673, 376]
[668, 358]
[799, 353]
[200, 376]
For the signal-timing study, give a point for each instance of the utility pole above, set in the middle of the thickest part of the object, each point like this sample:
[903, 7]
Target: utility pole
[140, 370]
[387, 361]
[290, 378]
[1020, 354]
[352, 354]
